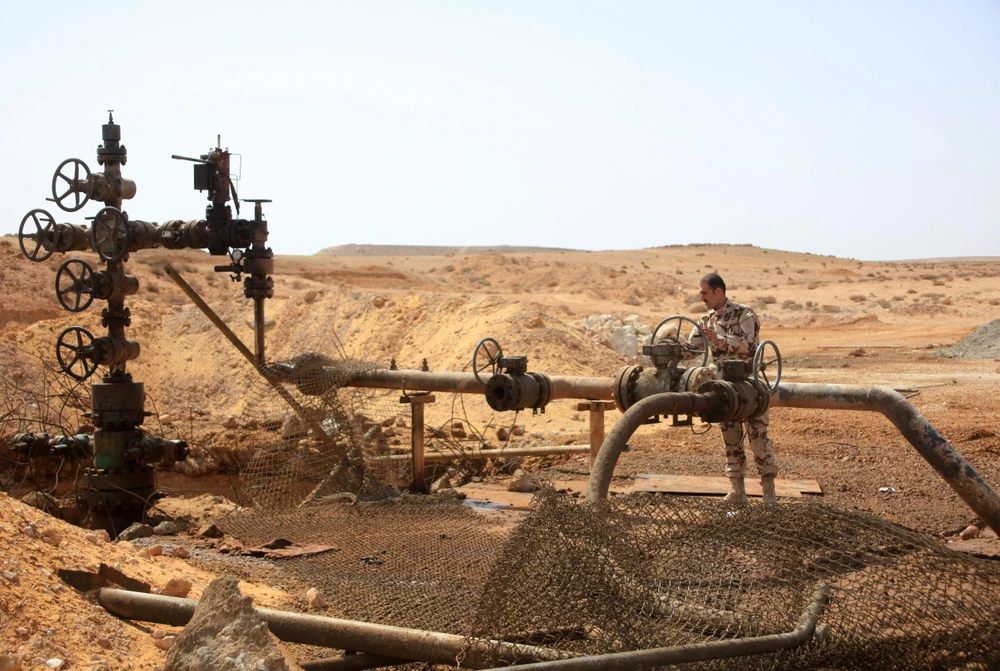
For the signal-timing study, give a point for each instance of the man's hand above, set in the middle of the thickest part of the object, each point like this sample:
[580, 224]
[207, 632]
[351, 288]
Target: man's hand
[711, 337]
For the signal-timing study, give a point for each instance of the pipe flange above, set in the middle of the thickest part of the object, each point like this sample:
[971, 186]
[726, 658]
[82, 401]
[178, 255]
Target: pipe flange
[624, 389]
[503, 393]
[726, 408]
[544, 390]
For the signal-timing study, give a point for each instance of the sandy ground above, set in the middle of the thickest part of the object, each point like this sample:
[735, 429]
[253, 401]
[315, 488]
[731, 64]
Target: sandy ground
[836, 320]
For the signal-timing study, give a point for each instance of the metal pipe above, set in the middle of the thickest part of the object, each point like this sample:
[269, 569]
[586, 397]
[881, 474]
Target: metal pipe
[258, 330]
[593, 388]
[438, 456]
[931, 445]
[352, 663]
[697, 652]
[603, 467]
[210, 313]
[416, 644]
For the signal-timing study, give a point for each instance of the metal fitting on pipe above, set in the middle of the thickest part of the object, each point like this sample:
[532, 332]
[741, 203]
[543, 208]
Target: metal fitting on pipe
[411, 644]
[697, 652]
[931, 445]
[518, 392]
[592, 388]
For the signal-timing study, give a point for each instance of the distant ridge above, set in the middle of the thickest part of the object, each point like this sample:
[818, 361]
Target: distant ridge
[430, 250]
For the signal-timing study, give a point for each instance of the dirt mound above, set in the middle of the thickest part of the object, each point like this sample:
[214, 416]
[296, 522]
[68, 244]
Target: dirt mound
[983, 343]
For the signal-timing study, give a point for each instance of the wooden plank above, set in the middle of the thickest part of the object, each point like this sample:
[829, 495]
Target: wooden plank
[718, 486]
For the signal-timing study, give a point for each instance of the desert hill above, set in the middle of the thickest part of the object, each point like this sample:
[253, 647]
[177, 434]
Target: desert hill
[428, 250]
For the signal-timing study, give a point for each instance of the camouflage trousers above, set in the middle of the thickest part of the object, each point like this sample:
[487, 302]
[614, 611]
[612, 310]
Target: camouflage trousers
[760, 445]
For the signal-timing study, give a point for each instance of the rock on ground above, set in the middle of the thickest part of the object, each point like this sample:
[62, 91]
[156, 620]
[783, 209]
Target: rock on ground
[523, 482]
[225, 635]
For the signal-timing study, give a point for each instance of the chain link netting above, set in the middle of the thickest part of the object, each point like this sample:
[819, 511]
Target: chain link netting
[309, 438]
[646, 571]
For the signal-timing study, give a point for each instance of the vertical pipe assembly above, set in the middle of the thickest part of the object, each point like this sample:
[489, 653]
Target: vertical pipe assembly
[417, 438]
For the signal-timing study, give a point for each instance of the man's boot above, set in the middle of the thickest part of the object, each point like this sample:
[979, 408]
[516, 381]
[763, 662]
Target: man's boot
[767, 485]
[737, 492]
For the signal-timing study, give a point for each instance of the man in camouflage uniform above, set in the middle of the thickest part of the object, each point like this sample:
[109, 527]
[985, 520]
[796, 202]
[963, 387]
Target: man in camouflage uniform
[733, 332]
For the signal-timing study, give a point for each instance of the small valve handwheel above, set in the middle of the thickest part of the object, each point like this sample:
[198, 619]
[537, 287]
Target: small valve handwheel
[703, 351]
[67, 177]
[766, 366]
[109, 235]
[41, 231]
[75, 353]
[486, 357]
[75, 285]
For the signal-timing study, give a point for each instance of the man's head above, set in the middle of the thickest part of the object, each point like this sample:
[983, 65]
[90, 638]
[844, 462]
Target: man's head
[713, 291]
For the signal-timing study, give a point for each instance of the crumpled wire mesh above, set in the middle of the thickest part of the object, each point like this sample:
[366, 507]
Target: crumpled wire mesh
[646, 571]
[310, 438]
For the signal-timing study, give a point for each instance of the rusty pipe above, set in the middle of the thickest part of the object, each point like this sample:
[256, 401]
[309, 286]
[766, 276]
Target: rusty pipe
[603, 467]
[697, 652]
[563, 386]
[929, 443]
[441, 456]
[377, 639]
[352, 663]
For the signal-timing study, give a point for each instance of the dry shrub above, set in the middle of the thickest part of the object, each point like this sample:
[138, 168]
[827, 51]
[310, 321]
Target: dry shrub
[298, 284]
[884, 302]
[938, 283]
[449, 269]
[911, 291]
[995, 301]
[791, 305]
[898, 298]
[152, 288]
[812, 285]
[928, 276]
[946, 301]
[831, 308]
[858, 298]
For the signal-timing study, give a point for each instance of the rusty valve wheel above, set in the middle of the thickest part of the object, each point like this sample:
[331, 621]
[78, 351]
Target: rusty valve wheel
[75, 356]
[692, 351]
[486, 356]
[71, 180]
[44, 236]
[75, 285]
[109, 235]
[761, 363]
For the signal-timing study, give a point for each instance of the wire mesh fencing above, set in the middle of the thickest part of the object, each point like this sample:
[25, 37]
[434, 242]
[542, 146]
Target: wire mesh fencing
[648, 571]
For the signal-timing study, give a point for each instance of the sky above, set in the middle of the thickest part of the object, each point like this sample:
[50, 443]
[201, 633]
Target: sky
[867, 129]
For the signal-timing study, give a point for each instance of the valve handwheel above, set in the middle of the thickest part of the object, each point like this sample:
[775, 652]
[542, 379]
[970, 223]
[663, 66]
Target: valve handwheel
[485, 357]
[761, 363]
[70, 179]
[109, 235]
[75, 285]
[44, 236]
[75, 353]
[704, 350]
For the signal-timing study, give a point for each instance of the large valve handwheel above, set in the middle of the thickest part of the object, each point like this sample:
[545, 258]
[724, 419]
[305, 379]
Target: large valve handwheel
[41, 231]
[109, 235]
[66, 191]
[486, 357]
[767, 365]
[75, 353]
[75, 285]
[705, 348]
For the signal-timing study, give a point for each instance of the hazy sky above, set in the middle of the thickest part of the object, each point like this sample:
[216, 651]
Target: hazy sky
[867, 129]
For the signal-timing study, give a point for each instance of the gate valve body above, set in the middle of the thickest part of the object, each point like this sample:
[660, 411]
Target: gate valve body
[515, 388]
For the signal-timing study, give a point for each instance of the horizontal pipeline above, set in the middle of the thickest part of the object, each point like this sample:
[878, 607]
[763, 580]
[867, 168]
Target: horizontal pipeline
[563, 386]
[377, 639]
[456, 455]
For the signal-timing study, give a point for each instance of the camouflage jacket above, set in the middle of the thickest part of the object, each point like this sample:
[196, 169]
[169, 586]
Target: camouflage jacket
[738, 329]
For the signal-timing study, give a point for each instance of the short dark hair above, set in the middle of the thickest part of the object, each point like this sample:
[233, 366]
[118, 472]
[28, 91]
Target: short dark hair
[714, 281]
